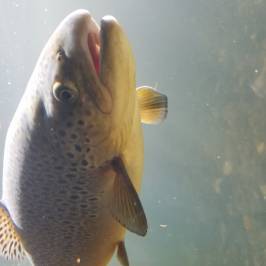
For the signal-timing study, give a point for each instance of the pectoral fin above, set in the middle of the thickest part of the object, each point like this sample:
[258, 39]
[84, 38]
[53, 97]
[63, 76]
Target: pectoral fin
[10, 243]
[125, 204]
[153, 105]
[122, 254]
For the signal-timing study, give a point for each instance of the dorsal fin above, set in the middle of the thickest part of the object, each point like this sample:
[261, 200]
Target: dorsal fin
[10, 243]
[153, 105]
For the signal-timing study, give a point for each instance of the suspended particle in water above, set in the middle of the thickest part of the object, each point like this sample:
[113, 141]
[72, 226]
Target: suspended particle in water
[15, 4]
[227, 168]
[163, 225]
[247, 223]
[260, 147]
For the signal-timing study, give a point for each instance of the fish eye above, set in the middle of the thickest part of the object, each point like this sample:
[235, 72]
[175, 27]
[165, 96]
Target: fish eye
[65, 93]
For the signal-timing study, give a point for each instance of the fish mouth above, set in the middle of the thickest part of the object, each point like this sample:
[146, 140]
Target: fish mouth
[94, 44]
[100, 50]
[99, 40]
[94, 48]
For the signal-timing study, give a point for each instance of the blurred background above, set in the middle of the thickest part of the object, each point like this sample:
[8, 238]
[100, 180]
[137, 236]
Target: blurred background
[204, 186]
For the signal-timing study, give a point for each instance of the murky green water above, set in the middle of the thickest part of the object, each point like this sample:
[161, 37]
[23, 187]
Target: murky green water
[204, 185]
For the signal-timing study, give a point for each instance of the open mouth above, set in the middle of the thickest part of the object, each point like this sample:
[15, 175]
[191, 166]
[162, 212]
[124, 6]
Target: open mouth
[94, 48]
[98, 39]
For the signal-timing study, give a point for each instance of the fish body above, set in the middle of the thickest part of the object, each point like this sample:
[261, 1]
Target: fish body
[73, 157]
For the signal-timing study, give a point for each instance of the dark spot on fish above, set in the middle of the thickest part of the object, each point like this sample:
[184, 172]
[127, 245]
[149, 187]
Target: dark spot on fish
[71, 227]
[50, 176]
[88, 150]
[78, 147]
[66, 237]
[74, 197]
[69, 124]
[88, 112]
[77, 188]
[73, 169]
[70, 175]
[81, 182]
[87, 140]
[70, 155]
[59, 167]
[38, 164]
[61, 181]
[84, 162]
[93, 216]
[81, 122]
[93, 199]
[54, 158]
[73, 136]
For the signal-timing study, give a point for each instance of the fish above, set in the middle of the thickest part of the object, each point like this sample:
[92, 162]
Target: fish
[73, 155]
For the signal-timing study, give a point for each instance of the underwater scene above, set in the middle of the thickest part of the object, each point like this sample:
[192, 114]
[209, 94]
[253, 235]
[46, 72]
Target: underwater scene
[202, 198]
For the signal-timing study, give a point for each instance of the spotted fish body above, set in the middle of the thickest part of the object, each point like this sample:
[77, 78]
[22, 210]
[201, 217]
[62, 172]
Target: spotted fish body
[74, 150]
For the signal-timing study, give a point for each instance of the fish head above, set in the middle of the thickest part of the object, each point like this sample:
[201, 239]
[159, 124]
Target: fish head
[86, 66]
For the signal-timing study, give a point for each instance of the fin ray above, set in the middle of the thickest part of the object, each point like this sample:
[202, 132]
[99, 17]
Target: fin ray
[126, 207]
[10, 244]
[153, 105]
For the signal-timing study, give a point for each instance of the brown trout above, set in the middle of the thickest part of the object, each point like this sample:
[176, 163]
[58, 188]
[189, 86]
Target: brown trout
[73, 158]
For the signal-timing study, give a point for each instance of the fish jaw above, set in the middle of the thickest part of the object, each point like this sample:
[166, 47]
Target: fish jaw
[117, 71]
